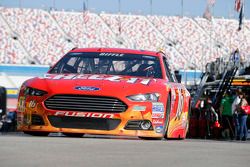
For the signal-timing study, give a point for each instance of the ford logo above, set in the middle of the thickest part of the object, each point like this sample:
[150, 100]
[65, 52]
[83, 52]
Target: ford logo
[87, 88]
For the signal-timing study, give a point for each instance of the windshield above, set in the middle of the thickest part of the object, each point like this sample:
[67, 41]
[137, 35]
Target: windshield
[109, 63]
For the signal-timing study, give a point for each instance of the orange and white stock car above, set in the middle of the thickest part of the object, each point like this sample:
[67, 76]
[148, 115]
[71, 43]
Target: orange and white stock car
[106, 91]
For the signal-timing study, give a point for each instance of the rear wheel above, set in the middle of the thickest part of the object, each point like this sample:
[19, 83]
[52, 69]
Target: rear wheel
[73, 134]
[168, 109]
[188, 118]
[36, 133]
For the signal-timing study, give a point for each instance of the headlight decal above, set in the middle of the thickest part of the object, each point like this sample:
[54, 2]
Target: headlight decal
[147, 97]
[34, 92]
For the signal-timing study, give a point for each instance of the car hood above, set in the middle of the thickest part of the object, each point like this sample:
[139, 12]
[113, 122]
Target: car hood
[108, 85]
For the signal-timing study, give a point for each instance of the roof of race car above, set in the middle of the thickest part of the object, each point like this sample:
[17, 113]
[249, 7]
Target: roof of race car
[117, 50]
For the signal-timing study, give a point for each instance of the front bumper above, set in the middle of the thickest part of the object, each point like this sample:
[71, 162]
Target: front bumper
[90, 123]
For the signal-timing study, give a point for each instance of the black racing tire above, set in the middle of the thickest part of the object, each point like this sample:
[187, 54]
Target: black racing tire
[34, 133]
[188, 119]
[168, 109]
[73, 134]
[149, 138]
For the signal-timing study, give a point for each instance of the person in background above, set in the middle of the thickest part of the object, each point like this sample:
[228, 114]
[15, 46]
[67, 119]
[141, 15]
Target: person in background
[235, 57]
[242, 117]
[227, 116]
[211, 116]
[5, 124]
[11, 117]
[235, 115]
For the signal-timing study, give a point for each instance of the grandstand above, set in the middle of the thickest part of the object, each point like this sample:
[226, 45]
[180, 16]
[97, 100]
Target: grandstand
[41, 37]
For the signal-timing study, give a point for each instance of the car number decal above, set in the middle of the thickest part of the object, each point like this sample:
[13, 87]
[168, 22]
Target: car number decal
[96, 77]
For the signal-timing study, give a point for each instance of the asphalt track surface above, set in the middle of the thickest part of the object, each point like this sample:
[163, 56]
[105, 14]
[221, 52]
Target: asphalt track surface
[19, 150]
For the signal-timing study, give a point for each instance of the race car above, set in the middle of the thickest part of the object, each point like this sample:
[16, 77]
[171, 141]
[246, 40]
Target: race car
[106, 91]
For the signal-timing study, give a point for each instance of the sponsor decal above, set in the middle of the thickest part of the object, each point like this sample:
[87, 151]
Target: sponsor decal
[157, 121]
[139, 108]
[87, 88]
[20, 119]
[111, 54]
[27, 118]
[145, 81]
[32, 104]
[114, 79]
[157, 107]
[65, 77]
[173, 94]
[83, 114]
[159, 129]
[96, 77]
[132, 80]
[184, 121]
[21, 104]
[180, 104]
[158, 115]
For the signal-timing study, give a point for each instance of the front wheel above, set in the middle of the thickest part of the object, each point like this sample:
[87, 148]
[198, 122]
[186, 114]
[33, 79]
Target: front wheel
[149, 138]
[73, 134]
[34, 133]
[168, 109]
